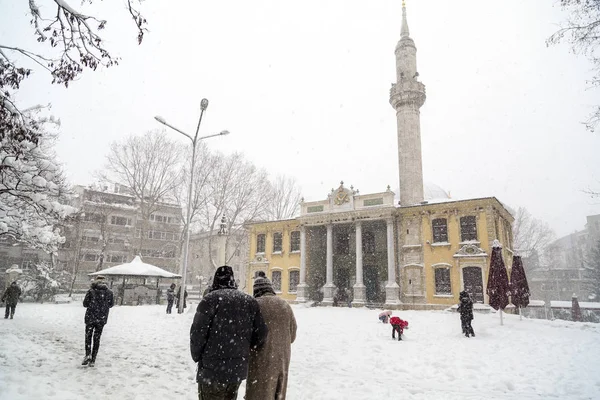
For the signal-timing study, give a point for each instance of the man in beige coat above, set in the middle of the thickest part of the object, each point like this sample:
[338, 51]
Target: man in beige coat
[268, 367]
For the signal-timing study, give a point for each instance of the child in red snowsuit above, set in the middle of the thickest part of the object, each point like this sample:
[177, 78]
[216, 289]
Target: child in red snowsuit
[398, 325]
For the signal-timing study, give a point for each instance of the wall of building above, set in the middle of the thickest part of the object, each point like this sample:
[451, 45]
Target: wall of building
[109, 230]
[269, 261]
[420, 255]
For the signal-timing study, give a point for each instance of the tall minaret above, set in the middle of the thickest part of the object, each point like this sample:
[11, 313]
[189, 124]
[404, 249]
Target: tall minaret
[407, 96]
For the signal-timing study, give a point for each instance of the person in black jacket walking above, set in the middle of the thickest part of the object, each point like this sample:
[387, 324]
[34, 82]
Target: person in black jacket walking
[227, 324]
[98, 301]
[465, 308]
[11, 296]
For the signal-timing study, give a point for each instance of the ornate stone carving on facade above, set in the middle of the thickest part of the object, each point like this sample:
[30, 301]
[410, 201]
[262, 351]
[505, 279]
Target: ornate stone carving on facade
[342, 195]
[470, 250]
[259, 259]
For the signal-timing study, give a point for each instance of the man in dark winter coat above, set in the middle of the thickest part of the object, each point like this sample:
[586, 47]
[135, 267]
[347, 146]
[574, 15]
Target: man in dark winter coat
[465, 308]
[11, 297]
[98, 301]
[227, 324]
[170, 297]
[268, 370]
[185, 295]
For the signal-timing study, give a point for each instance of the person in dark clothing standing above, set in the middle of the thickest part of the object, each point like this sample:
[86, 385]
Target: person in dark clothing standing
[11, 297]
[185, 295]
[227, 325]
[98, 301]
[465, 308]
[170, 297]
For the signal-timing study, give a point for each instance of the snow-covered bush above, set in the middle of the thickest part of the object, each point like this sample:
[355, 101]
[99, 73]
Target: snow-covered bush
[42, 282]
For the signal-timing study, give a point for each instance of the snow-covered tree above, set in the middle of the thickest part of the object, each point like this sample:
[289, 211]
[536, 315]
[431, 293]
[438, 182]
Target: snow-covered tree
[43, 281]
[32, 187]
[69, 43]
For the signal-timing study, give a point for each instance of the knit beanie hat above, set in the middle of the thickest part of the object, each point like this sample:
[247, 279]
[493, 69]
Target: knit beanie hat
[224, 278]
[262, 285]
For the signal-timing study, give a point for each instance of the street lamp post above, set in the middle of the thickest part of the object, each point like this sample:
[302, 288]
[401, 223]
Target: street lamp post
[194, 140]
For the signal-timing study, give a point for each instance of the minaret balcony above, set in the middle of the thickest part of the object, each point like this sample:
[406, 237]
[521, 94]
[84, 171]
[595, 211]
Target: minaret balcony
[407, 93]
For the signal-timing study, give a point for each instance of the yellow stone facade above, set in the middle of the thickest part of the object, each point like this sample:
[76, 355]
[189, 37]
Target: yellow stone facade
[429, 270]
[271, 261]
[493, 221]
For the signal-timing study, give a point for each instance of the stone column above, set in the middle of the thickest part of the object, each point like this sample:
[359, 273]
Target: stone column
[392, 288]
[301, 291]
[329, 287]
[360, 290]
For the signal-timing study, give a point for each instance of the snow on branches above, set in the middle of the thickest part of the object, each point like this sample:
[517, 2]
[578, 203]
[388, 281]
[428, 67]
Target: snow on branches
[75, 44]
[42, 281]
[31, 187]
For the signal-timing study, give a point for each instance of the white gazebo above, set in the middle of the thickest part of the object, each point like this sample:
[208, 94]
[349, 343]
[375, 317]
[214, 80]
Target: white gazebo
[136, 269]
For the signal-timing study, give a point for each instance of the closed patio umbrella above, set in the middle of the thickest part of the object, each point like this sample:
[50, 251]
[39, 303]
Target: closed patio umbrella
[519, 288]
[497, 284]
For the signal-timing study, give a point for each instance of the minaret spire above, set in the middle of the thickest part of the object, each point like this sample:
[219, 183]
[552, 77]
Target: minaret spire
[404, 32]
[407, 96]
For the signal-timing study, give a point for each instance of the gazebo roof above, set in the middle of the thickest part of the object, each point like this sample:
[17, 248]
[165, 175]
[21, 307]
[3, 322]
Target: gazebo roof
[136, 268]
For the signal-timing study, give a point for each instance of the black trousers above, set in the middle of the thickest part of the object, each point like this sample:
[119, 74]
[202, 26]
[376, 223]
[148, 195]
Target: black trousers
[10, 310]
[397, 328]
[466, 326]
[169, 306]
[218, 392]
[92, 331]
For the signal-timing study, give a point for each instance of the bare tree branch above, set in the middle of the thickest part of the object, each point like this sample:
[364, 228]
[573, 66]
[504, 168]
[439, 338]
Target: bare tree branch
[582, 32]
[75, 45]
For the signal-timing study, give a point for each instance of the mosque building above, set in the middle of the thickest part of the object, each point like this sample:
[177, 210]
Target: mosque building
[371, 249]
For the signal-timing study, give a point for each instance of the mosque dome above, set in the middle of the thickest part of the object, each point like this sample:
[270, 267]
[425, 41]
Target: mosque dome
[431, 191]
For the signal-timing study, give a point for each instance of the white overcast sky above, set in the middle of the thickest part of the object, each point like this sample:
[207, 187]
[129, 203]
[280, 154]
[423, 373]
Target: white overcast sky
[303, 86]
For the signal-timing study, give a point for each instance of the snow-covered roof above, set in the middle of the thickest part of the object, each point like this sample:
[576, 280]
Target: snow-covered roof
[568, 304]
[136, 268]
[14, 268]
[537, 303]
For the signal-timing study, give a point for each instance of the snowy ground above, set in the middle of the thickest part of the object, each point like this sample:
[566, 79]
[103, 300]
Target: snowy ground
[340, 353]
